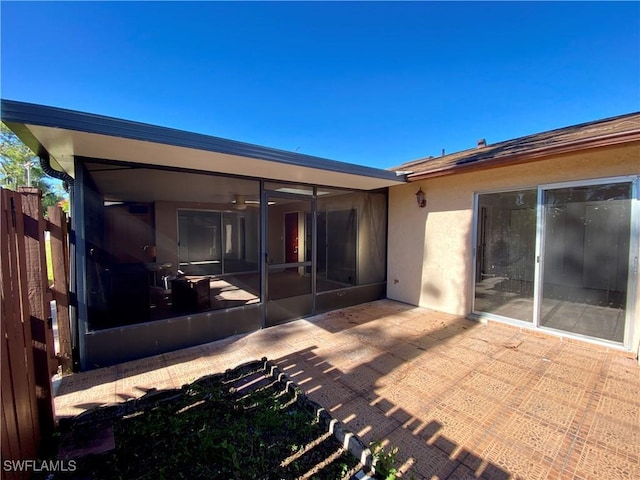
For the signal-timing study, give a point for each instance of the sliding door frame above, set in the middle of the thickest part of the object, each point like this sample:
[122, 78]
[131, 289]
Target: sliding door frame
[539, 263]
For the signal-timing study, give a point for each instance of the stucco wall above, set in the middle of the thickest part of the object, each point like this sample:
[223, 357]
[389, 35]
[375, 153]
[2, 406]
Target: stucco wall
[430, 249]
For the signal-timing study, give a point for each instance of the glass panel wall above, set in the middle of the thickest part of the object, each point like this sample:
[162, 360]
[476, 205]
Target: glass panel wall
[586, 259]
[166, 243]
[506, 236]
[351, 238]
[287, 247]
[289, 285]
[172, 243]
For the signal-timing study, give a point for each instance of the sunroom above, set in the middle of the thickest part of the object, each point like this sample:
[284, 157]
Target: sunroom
[181, 238]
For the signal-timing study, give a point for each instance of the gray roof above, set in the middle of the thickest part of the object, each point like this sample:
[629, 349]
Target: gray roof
[37, 125]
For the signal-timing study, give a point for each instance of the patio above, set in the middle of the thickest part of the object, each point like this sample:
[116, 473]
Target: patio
[459, 399]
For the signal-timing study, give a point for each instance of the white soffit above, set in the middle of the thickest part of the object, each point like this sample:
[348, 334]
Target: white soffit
[63, 145]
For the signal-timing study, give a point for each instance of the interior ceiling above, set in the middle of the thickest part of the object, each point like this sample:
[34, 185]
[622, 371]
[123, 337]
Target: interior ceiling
[123, 183]
[147, 185]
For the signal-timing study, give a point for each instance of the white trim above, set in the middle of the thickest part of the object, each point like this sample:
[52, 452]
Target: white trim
[589, 182]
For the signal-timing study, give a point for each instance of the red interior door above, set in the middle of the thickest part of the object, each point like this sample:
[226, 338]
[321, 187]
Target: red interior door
[291, 237]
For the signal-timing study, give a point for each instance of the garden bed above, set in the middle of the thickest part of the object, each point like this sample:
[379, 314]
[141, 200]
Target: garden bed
[251, 422]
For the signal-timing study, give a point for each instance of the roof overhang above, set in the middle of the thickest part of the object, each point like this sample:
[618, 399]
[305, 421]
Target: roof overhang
[63, 135]
[543, 153]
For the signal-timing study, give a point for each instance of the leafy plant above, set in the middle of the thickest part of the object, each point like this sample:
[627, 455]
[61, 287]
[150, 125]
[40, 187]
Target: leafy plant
[385, 462]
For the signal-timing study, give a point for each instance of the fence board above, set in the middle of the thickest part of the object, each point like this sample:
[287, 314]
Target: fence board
[43, 349]
[9, 415]
[7, 450]
[19, 405]
[25, 317]
[60, 256]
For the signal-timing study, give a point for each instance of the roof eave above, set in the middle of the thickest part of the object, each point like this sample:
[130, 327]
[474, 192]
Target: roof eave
[531, 155]
[20, 115]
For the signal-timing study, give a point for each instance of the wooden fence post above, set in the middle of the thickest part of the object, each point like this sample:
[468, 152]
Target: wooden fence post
[60, 256]
[39, 307]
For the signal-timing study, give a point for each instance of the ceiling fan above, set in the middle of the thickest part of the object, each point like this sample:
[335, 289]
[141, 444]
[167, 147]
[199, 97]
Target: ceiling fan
[240, 202]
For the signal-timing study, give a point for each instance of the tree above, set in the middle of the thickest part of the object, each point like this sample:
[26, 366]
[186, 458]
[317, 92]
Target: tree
[21, 168]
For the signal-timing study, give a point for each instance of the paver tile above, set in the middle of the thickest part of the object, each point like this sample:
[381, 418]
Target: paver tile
[614, 435]
[624, 411]
[561, 389]
[459, 399]
[501, 459]
[367, 422]
[597, 463]
[548, 409]
[431, 461]
[441, 427]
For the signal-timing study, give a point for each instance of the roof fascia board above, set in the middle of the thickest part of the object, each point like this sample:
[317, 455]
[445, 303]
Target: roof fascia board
[532, 155]
[31, 114]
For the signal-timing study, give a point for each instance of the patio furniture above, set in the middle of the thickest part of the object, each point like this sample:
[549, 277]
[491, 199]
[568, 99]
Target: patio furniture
[190, 294]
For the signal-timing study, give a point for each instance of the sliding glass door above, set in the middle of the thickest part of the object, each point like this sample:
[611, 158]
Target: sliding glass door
[584, 281]
[506, 254]
[558, 257]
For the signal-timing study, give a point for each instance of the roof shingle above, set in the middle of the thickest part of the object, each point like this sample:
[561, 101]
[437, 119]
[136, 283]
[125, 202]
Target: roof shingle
[610, 131]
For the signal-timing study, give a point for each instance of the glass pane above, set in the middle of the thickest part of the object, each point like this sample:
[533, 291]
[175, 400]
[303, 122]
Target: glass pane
[288, 245]
[287, 282]
[145, 224]
[289, 188]
[240, 241]
[586, 259]
[351, 239]
[199, 242]
[286, 238]
[506, 254]
[234, 290]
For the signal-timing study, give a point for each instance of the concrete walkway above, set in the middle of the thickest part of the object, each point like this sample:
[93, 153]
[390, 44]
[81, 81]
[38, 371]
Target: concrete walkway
[460, 400]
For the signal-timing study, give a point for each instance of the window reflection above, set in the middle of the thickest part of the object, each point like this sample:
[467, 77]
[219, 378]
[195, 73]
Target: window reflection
[506, 253]
[351, 239]
[586, 259]
[168, 243]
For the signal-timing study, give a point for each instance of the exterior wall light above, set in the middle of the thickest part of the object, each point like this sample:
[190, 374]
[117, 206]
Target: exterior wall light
[421, 198]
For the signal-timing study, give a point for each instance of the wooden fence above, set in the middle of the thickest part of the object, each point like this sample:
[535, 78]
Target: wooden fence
[29, 358]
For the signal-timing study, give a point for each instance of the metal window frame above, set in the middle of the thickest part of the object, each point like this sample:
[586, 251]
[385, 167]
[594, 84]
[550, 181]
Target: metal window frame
[634, 248]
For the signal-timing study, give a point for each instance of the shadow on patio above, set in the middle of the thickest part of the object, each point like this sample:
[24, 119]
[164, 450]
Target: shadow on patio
[459, 399]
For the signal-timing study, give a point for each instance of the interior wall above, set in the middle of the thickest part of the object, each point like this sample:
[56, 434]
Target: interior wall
[430, 259]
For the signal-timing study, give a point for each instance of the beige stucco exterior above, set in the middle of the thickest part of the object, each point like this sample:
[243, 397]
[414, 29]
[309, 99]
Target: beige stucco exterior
[430, 259]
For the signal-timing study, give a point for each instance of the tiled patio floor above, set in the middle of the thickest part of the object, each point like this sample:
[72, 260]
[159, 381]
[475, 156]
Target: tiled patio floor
[460, 400]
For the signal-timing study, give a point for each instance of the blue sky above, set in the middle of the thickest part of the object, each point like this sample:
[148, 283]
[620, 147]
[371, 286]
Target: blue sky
[372, 83]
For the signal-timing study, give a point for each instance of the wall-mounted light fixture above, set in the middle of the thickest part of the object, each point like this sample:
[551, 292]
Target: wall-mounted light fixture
[421, 198]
